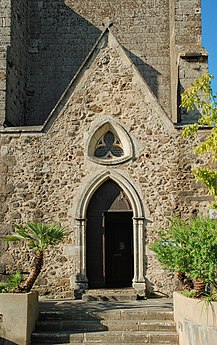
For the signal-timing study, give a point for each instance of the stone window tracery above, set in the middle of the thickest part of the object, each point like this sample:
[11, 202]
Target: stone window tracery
[109, 146]
[109, 143]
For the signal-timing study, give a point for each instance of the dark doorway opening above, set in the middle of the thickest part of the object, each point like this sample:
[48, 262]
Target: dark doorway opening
[109, 238]
[118, 249]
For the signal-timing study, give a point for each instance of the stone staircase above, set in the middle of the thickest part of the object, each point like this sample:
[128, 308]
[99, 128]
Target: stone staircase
[78, 322]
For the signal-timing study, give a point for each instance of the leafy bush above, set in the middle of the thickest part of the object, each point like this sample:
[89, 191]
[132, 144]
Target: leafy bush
[191, 293]
[13, 284]
[4, 287]
[189, 246]
[15, 280]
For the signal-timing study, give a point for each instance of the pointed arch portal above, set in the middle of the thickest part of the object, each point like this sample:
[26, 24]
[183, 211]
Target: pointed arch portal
[109, 238]
[111, 225]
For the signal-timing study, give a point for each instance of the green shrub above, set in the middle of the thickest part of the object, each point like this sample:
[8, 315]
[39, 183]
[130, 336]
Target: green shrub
[4, 287]
[13, 284]
[189, 246]
[15, 280]
[191, 293]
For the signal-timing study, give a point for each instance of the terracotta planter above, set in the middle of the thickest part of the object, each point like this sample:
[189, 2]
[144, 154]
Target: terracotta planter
[196, 322]
[19, 314]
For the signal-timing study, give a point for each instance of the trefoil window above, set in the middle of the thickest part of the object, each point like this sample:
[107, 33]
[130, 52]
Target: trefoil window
[108, 147]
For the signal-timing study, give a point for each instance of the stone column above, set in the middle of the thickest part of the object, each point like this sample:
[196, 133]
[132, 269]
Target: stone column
[81, 281]
[139, 283]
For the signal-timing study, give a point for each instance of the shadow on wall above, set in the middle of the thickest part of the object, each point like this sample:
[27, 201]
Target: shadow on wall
[149, 74]
[186, 117]
[17, 63]
[152, 293]
[59, 39]
[58, 42]
[4, 341]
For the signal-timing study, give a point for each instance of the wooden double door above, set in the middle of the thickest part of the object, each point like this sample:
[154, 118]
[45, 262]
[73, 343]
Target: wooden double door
[109, 238]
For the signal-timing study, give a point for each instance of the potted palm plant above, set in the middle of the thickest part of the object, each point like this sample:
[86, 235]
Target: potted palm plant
[38, 236]
[20, 309]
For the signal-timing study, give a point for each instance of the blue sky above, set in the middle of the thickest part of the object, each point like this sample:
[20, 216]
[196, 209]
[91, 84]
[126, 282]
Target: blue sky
[209, 35]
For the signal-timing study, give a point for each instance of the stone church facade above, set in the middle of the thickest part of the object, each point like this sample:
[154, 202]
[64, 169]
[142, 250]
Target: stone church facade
[90, 135]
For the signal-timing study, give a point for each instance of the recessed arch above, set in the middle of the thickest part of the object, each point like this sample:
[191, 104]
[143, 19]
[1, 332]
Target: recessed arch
[140, 217]
[139, 209]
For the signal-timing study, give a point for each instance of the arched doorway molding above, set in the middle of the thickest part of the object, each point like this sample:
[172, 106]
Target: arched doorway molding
[141, 216]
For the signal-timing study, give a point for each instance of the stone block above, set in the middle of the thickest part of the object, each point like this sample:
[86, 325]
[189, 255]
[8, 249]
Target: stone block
[20, 312]
[195, 322]
[2, 268]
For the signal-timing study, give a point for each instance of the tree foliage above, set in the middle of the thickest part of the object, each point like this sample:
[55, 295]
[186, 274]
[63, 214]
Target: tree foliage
[189, 246]
[200, 95]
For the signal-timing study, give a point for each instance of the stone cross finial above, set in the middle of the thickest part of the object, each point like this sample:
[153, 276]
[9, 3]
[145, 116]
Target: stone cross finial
[107, 22]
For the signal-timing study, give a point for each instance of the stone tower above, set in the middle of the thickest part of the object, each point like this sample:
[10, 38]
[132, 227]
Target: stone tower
[89, 105]
[44, 43]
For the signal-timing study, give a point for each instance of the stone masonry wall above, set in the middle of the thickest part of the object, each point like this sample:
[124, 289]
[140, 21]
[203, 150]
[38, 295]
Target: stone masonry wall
[5, 10]
[17, 64]
[63, 32]
[192, 57]
[42, 61]
[42, 175]
[188, 22]
[13, 62]
[191, 67]
[143, 29]
[59, 41]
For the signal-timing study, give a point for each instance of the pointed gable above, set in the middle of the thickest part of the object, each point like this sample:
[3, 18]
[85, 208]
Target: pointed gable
[108, 83]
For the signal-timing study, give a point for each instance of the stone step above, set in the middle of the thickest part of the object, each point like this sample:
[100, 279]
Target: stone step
[105, 337]
[146, 314]
[93, 343]
[167, 343]
[108, 298]
[77, 322]
[66, 315]
[140, 325]
[110, 325]
[110, 295]
[73, 325]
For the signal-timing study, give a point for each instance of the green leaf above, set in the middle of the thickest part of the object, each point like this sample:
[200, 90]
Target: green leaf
[189, 246]
[199, 95]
